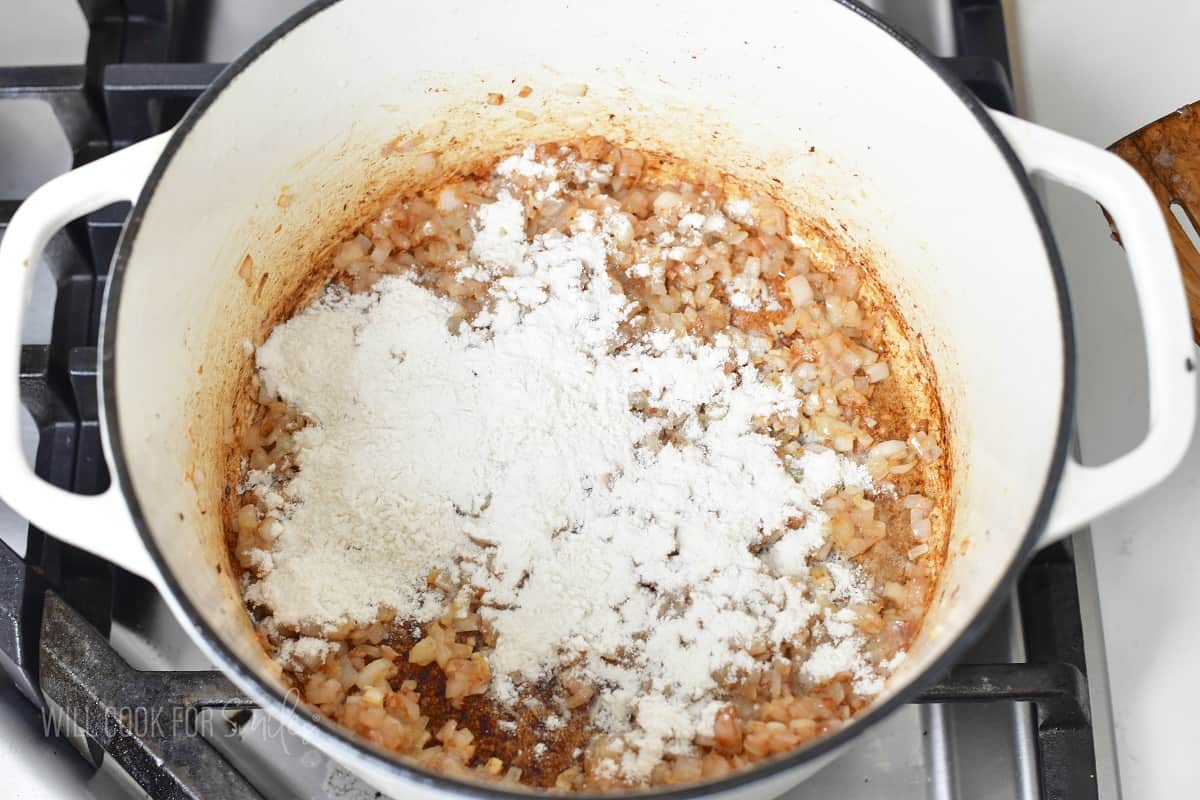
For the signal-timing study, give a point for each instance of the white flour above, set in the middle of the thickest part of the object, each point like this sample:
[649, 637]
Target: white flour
[508, 452]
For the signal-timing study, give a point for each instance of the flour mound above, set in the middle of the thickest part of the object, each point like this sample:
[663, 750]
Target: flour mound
[609, 499]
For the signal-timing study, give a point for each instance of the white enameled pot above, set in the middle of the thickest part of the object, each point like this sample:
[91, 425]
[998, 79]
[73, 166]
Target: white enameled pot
[855, 123]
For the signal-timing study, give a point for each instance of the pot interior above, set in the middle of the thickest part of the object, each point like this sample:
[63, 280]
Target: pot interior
[837, 119]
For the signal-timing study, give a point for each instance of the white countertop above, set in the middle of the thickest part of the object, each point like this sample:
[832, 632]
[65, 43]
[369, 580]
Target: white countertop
[1099, 71]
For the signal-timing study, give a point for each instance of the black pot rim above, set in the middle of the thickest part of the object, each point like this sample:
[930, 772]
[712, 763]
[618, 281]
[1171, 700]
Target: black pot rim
[381, 759]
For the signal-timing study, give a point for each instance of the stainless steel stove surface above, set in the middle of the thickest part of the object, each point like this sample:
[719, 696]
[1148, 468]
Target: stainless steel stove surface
[987, 741]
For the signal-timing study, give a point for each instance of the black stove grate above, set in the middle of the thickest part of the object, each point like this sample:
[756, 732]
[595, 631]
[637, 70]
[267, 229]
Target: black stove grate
[56, 604]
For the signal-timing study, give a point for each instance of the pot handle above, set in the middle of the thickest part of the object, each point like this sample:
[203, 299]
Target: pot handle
[1087, 492]
[101, 523]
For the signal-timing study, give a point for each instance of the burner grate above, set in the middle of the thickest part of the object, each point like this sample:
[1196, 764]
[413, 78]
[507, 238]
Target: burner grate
[148, 721]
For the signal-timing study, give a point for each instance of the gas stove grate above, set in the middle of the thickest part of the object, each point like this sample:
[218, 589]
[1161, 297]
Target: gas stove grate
[56, 604]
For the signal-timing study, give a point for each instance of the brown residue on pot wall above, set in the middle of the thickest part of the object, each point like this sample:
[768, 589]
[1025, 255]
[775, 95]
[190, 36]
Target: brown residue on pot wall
[245, 269]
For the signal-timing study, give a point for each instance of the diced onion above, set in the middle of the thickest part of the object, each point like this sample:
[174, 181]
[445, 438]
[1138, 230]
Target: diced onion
[877, 372]
[888, 449]
[921, 529]
[916, 501]
[799, 290]
[448, 200]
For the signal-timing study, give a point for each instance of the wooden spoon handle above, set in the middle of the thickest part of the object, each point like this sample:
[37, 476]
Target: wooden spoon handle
[1167, 155]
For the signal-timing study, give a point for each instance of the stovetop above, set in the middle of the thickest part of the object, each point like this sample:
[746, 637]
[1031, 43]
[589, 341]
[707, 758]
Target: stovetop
[107, 697]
